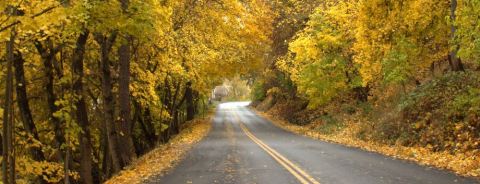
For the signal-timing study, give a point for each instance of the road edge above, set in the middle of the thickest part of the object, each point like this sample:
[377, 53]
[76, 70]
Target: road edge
[421, 156]
[166, 156]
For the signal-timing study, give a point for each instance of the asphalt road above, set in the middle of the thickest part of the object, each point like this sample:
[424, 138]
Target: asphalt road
[245, 148]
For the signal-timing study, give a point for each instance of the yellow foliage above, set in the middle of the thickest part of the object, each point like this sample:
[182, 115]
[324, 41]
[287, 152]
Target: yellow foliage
[399, 40]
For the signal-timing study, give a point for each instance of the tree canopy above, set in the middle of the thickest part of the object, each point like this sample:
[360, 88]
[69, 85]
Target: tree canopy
[90, 85]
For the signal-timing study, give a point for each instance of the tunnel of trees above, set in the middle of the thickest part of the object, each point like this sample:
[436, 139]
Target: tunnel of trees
[88, 86]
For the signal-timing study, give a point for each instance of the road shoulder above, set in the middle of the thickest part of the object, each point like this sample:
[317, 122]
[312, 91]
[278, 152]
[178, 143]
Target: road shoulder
[465, 164]
[166, 156]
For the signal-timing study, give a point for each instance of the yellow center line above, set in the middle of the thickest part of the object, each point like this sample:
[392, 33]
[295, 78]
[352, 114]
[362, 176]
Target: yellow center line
[289, 169]
[299, 173]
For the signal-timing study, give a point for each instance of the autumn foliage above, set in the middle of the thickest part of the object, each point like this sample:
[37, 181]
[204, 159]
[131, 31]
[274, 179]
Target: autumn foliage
[89, 86]
[399, 74]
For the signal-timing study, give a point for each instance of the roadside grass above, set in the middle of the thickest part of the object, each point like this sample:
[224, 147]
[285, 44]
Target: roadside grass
[329, 125]
[464, 163]
[165, 156]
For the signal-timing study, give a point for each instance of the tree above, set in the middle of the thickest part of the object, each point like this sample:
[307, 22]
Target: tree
[397, 41]
[453, 59]
[467, 37]
[8, 161]
[100, 82]
[321, 63]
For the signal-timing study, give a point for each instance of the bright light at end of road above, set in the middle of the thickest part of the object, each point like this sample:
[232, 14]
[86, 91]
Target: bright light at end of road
[234, 104]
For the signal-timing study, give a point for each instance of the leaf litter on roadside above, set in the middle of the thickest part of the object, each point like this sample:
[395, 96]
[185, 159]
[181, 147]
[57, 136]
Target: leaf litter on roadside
[465, 164]
[164, 157]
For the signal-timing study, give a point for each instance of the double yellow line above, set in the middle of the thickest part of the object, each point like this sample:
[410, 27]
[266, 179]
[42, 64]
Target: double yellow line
[296, 171]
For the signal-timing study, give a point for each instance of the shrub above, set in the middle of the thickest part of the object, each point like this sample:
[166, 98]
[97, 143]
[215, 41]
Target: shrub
[444, 113]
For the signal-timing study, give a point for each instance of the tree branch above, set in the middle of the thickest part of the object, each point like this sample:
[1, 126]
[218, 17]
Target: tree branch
[33, 16]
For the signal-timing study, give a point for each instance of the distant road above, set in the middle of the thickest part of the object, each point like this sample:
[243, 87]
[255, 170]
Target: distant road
[244, 148]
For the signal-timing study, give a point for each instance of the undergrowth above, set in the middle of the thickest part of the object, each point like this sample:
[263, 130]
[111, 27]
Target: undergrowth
[440, 116]
[443, 114]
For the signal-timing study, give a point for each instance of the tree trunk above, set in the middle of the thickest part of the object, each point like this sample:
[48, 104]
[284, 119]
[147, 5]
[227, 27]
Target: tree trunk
[149, 127]
[189, 101]
[81, 111]
[145, 122]
[174, 125]
[361, 93]
[47, 59]
[454, 61]
[175, 128]
[7, 161]
[127, 148]
[108, 104]
[167, 96]
[25, 112]
[104, 147]
[23, 106]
